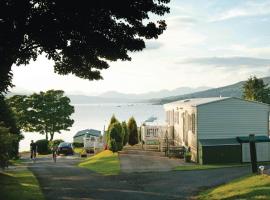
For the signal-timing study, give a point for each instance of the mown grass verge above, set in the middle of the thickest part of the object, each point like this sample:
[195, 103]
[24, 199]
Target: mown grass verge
[206, 167]
[105, 163]
[248, 188]
[19, 184]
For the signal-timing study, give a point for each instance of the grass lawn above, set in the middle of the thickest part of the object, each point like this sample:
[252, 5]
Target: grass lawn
[205, 167]
[19, 184]
[105, 163]
[246, 188]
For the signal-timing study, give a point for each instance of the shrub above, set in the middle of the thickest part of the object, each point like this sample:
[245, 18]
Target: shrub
[6, 141]
[132, 131]
[187, 156]
[113, 146]
[43, 146]
[77, 144]
[125, 133]
[116, 137]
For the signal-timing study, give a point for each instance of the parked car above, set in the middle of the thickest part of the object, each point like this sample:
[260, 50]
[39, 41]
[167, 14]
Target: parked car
[65, 148]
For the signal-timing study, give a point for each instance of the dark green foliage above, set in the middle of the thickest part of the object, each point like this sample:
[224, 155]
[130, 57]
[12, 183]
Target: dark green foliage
[6, 148]
[133, 131]
[8, 120]
[256, 90]
[113, 146]
[125, 133]
[80, 37]
[77, 144]
[112, 121]
[43, 146]
[47, 112]
[55, 143]
[139, 135]
[116, 135]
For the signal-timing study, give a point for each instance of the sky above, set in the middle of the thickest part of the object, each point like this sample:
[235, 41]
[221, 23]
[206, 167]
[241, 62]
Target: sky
[207, 43]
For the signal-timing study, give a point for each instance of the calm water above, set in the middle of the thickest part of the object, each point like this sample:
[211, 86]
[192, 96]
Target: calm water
[97, 115]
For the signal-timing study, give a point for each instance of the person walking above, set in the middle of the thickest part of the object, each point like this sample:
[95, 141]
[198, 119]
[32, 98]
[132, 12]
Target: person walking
[33, 150]
[54, 152]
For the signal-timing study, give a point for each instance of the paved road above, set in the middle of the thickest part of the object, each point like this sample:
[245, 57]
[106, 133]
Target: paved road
[146, 161]
[64, 181]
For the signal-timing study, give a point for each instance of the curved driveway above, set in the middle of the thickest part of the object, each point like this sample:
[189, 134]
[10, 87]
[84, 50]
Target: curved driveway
[64, 180]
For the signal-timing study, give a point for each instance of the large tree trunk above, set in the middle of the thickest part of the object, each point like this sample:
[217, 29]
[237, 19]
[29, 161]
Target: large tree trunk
[46, 136]
[51, 136]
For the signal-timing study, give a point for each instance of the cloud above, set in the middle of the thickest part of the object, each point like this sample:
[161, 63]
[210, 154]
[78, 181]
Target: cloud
[235, 61]
[181, 21]
[250, 9]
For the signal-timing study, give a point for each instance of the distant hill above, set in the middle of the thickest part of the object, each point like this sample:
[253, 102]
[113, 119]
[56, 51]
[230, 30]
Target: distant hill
[234, 90]
[83, 99]
[153, 94]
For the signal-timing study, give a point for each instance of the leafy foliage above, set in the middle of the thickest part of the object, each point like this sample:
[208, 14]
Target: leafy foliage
[125, 133]
[113, 146]
[8, 121]
[112, 121]
[116, 137]
[256, 90]
[80, 37]
[133, 131]
[6, 141]
[47, 112]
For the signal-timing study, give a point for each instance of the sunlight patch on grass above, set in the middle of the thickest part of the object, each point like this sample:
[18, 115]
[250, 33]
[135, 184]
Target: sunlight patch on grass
[105, 163]
[20, 184]
[250, 187]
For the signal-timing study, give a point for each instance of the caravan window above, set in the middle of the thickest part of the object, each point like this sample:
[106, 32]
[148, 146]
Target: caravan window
[148, 133]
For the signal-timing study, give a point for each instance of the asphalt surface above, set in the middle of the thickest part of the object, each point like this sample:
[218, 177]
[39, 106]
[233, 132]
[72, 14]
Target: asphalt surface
[64, 180]
[146, 161]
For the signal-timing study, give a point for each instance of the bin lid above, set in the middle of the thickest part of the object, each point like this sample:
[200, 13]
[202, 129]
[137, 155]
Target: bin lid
[218, 142]
[260, 138]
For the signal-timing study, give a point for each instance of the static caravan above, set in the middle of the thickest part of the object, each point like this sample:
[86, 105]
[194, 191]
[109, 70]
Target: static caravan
[87, 134]
[210, 127]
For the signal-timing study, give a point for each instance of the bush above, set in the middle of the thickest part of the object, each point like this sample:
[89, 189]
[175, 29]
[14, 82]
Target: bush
[125, 133]
[116, 137]
[77, 144]
[113, 146]
[132, 131]
[43, 146]
[188, 156]
[54, 143]
[6, 141]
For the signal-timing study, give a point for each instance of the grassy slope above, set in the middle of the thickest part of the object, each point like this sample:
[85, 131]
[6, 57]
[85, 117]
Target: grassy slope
[250, 187]
[19, 184]
[105, 162]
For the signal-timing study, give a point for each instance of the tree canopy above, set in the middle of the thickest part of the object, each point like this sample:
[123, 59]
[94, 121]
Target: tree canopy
[256, 90]
[81, 37]
[47, 112]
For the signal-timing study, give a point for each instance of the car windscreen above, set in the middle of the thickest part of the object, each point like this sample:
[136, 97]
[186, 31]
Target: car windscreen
[64, 144]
